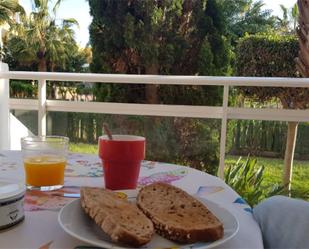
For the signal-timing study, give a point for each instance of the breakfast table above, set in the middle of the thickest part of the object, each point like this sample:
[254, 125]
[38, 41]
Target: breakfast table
[41, 228]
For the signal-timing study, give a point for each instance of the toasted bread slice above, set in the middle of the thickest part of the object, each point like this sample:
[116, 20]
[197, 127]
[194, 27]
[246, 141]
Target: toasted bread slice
[178, 216]
[117, 217]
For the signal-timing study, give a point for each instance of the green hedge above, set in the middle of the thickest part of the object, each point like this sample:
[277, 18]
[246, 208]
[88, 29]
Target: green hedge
[271, 56]
[267, 56]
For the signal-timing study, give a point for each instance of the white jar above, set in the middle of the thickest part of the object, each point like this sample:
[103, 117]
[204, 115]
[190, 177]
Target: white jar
[11, 203]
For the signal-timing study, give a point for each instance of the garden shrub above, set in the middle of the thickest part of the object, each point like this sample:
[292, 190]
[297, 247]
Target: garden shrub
[246, 178]
[267, 56]
[271, 56]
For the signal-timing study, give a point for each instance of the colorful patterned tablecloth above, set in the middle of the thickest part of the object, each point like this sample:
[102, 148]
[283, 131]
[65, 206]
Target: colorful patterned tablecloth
[40, 228]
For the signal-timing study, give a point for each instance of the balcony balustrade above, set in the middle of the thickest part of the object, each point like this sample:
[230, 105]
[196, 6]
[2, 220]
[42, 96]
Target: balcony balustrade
[223, 112]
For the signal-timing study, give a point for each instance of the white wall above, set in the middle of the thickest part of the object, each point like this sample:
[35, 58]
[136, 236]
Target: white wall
[17, 131]
[4, 110]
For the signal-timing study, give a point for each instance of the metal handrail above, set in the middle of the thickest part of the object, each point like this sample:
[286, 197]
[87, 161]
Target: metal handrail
[159, 79]
[223, 112]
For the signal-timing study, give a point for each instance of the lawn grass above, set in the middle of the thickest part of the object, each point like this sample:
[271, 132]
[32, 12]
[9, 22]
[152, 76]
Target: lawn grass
[83, 148]
[274, 171]
[272, 174]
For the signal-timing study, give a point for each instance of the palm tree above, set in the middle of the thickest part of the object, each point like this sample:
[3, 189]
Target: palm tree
[62, 44]
[302, 64]
[38, 38]
[294, 15]
[284, 21]
[7, 10]
[246, 16]
[287, 23]
[302, 61]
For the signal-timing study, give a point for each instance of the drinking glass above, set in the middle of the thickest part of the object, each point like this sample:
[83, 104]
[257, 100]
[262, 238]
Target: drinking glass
[44, 160]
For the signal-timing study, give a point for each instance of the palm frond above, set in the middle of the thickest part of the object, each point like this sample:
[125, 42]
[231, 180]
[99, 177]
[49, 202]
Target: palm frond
[69, 22]
[7, 10]
[56, 6]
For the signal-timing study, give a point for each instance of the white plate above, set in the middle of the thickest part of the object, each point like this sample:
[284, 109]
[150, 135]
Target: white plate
[76, 223]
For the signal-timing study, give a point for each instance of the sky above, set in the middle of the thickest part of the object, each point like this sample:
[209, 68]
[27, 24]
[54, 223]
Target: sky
[275, 5]
[79, 9]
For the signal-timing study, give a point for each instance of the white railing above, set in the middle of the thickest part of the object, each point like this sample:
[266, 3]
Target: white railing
[224, 112]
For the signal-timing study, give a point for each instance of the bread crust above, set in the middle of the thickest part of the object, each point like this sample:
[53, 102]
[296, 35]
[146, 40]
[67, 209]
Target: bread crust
[117, 217]
[178, 216]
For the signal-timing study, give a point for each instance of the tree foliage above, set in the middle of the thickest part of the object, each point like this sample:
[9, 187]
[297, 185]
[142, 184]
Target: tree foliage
[271, 56]
[38, 39]
[246, 17]
[156, 37]
[177, 37]
[42, 42]
[131, 36]
[287, 22]
[8, 8]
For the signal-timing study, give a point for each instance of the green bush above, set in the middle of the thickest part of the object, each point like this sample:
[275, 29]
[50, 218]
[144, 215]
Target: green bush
[23, 89]
[271, 56]
[267, 56]
[246, 178]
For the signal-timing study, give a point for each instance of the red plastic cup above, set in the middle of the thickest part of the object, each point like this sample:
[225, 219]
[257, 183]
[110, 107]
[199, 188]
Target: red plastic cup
[121, 158]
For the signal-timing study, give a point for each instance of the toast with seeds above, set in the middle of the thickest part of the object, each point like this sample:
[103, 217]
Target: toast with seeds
[178, 216]
[117, 217]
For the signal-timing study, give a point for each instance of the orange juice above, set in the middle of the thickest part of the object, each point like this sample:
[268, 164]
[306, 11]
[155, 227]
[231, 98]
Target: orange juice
[44, 170]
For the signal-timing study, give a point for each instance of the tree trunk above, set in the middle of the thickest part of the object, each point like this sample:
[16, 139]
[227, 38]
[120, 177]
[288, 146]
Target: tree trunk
[152, 90]
[52, 67]
[42, 65]
[289, 154]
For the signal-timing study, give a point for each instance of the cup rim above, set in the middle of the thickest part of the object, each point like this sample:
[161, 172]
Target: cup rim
[44, 139]
[123, 138]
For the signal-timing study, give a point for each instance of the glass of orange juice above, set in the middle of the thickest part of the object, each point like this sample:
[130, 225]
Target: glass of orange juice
[44, 161]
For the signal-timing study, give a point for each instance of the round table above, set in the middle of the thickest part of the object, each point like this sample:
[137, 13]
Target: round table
[40, 227]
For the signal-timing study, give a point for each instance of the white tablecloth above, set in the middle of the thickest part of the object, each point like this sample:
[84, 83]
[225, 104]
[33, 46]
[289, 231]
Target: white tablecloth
[41, 227]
